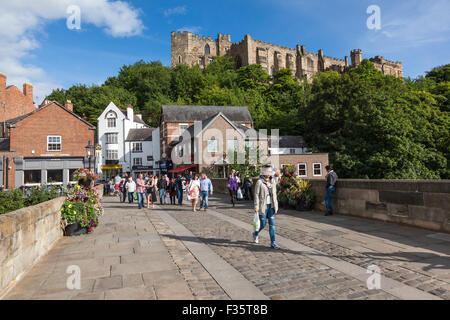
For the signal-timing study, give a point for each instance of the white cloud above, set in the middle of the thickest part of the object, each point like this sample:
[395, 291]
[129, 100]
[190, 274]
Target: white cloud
[193, 29]
[181, 10]
[22, 20]
[412, 24]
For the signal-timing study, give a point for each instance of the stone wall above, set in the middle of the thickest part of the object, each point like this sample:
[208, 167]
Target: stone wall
[25, 236]
[420, 203]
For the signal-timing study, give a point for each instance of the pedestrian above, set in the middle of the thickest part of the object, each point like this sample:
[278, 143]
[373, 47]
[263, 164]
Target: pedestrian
[179, 187]
[131, 189]
[162, 186]
[206, 190]
[141, 186]
[172, 190]
[330, 188]
[239, 195]
[266, 205]
[189, 177]
[193, 190]
[117, 180]
[232, 186]
[277, 176]
[122, 190]
[108, 188]
[248, 188]
[151, 192]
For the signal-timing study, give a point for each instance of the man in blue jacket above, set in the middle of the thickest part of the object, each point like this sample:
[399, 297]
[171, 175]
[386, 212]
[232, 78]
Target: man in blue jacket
[206, 190]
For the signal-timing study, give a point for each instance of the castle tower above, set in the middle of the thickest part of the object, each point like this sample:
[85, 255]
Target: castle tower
[356, 57]
[180, 47]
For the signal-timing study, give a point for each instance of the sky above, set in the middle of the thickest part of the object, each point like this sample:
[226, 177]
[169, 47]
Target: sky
[39, 44]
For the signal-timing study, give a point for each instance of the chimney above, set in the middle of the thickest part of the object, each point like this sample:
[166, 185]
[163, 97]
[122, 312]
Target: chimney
[69, 105]
[28, 90]
[2, 81]
[139, 116]
[130, 112]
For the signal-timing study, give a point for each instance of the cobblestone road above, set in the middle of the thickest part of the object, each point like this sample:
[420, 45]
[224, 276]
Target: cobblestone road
[171, 252]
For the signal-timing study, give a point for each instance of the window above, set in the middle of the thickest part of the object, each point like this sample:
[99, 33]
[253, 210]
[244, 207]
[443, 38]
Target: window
[250, 144]
[232, 145]
[54, 176]
[32, 176]
[210, 61]
[112, 138]
[71, 172]
[53, 143]
[200, 62]
[207, 50]
[292, 151]
[179, 59]
[317, 169]
[302, 170]
[112, 155]
[137, 161]
[149, 158]
[183, 127]
[111, 122]
[136, 147]
[213, 146]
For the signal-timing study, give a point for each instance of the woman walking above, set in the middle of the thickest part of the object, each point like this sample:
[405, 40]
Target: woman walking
[232, 186]
[172, 188]
[194, 191]
[151, 193]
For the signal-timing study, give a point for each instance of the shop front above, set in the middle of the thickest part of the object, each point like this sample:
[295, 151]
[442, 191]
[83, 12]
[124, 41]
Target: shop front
[109, 171]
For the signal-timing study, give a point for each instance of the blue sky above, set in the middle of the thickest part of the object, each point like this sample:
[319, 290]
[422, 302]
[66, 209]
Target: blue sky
[37, 46]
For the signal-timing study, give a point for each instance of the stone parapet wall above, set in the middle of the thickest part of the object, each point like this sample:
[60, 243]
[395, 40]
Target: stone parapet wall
[25, 236]
[419, 203]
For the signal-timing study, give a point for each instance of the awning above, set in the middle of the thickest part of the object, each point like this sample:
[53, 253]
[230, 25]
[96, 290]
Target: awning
[182, 168]
[111, 166]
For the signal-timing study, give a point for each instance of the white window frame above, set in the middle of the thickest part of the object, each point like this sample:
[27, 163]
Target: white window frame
[60, 143]
[135, 162]
[314, 171]
[111, 134]
[108, 153]
[215, 144]
[136, 150]
[181, 125]
[109, 124]
[234, 147]
[306, 169]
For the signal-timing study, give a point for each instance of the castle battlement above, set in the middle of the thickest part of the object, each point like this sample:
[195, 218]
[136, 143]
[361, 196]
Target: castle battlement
[246, 52]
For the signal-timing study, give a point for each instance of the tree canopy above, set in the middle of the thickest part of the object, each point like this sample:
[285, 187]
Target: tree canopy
[372, 125]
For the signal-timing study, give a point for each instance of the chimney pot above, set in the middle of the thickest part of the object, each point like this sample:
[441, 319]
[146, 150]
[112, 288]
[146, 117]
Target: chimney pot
[2, 81]
[69, 105]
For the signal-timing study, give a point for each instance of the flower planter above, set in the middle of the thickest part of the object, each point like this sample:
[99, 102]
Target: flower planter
[75, 229]
[302, 206]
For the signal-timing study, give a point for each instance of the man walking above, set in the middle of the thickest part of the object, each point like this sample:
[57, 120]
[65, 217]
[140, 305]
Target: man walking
[163, 190]
[266, 205]
[131, 188]
[179, 187]
[206, 190]
[330, 188]
[140, 182]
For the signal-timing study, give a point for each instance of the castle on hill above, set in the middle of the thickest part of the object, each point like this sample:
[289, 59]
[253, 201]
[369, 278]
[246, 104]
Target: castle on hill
[190, 49]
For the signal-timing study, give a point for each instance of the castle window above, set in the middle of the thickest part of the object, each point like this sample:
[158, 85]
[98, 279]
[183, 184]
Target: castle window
[179, 59]
[207, 50]
[310, 64]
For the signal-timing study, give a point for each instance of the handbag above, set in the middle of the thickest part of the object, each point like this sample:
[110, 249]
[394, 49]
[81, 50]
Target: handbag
[256, 222]
[135, 195]
[239, 194]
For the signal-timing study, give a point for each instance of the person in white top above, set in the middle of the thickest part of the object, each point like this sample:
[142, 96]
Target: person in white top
[194, 191]
[131, 188]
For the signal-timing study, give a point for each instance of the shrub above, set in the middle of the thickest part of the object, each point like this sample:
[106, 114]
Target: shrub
[11, 200]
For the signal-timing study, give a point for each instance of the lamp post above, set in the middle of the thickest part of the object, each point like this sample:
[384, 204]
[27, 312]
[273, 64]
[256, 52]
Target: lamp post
[89, 148]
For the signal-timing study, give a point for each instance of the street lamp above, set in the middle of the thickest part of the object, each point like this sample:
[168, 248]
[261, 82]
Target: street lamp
[89, 150]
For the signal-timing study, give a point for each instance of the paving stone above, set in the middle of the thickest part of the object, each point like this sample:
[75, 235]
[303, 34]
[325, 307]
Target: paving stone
[103, 284]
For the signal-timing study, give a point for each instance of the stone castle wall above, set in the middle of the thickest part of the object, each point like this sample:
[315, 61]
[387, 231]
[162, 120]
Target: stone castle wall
[190, 49]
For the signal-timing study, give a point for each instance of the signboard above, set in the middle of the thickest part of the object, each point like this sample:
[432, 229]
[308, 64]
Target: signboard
[142, 168]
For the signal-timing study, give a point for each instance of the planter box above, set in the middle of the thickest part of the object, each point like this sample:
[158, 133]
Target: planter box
[75, 229]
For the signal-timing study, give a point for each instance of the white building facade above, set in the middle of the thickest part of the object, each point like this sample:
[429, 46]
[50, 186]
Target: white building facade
[127, 144]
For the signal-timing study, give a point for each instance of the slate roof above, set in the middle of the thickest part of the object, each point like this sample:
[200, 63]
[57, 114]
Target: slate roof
[135, 118]
[143, 134]
[179, 113]
[291, 142]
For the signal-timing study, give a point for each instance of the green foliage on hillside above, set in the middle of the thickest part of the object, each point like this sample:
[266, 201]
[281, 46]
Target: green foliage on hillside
[373, 126]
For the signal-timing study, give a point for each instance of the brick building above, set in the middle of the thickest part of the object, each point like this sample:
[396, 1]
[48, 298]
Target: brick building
[190, 49]
[13, 102]
[44, 146]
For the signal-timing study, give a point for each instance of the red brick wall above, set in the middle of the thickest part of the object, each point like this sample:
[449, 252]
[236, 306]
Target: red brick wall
[31, 133]
[15, 102]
